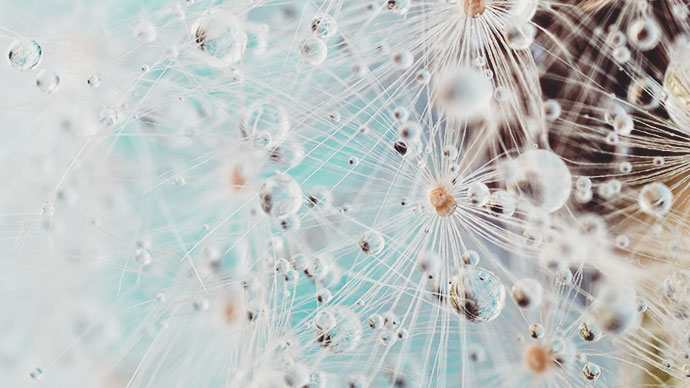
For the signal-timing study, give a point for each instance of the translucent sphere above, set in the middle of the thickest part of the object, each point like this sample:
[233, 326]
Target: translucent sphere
[297, 375]
[591, 371]
[589, 331]
[501, 204]
[542, 178]
[94, 80]
[470, 258]
[398, 7]
[527, 293]
[324, 320]
[552, 110]
[371, 243]
[536, 331]
[477, 294]
[403, 60]
[280, 196]
[24, 54]
[463, 92]
[324, 26]
[520, 35]
[410, 131]
[345, 333]
[478, 194]
[644, 92]
[644, 33]
[221, 36]
[615, 310]
[655, 199]
[676, 293]
[266, 121]
[313, 51]
[47, 81]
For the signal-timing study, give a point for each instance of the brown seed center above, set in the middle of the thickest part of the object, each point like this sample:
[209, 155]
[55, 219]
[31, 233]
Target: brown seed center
[474, 8]
[237, 179]
[442, 201]
[538, 358]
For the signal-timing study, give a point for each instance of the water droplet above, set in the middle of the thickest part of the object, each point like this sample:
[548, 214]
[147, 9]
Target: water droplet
[24, 54]
[280, 196]
[477, 294]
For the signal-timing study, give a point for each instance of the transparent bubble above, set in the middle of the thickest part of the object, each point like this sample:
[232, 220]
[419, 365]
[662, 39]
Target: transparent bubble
[403, 60]
[644, 92]
[264, 120]
[552, 110]
[478, 194]
[324, 295]
[644, 33]
[324, 320]
[564, 275]
[616, 38]
[625, 167]
[371, 243]
[520, 35]
[221, 37]
[470, 258]
[615, 310]
[399, 7]
[623, 124]
[449, 152]
[621, 54]
[401, 114]
[589, 331]
[344, 335]
[280, 196]
[536, 331]
[527, 293]
[410, 131]
[583, 183]
[282, 266]
[24, 54]
[47, 81]
[36, 374]
[388, 337]
[390, 320]
[142, 256]
[501, 204]
[375, 321]
[297, 375]
[313, 51]
[94, 81]
[48, 209]
[477, 294]
[463, 92]
[591, 371]
[423, 76]
[655, 199]
[324, 26]
[676, 293]
[622, 241]
[428, 262]
[542, 178]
